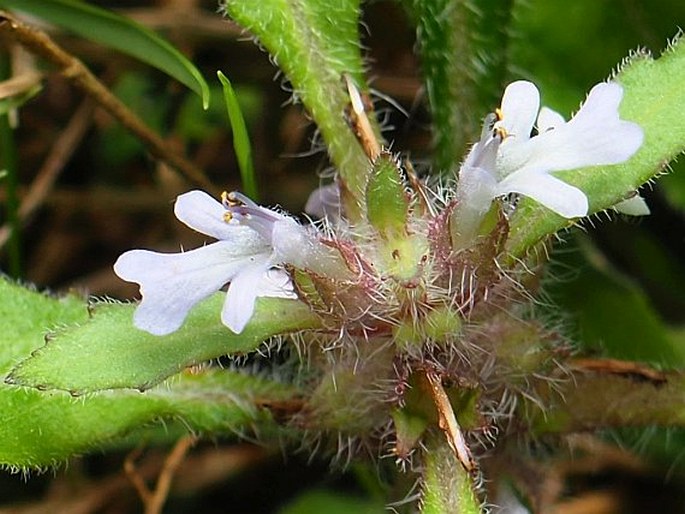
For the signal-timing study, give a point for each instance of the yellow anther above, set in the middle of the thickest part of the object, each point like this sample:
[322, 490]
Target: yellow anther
[498, 129]
[230, 199]
[228, 216]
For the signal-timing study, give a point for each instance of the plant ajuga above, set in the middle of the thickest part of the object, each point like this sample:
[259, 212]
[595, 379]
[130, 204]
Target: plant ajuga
[420, 323]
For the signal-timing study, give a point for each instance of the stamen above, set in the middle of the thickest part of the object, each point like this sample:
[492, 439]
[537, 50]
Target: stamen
[231, 199]
[236, 199]
[241, 210]
[488, 125]
[501, 132]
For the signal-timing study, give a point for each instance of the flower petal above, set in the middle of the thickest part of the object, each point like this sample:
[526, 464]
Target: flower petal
[276, 283]
[241, 296]
[549, 120]
[477, 188]
[475, 191]
[564, 199]
[293, 244]
[595, 136]
[171, 284]
[520, 105]
[599, 129]
[204, 214]
[601, 105]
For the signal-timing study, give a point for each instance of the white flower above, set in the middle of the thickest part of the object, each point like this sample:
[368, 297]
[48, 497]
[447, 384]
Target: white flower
[252, 241]
[508, 160]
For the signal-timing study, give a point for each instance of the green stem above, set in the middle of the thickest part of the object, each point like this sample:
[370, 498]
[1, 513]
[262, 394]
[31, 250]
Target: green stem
[447, 486]
[463, 50]
[8, 163]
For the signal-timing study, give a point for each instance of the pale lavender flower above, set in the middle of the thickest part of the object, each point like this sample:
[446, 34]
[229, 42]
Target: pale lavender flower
[252, 243]
[324, 202]
[508, 160]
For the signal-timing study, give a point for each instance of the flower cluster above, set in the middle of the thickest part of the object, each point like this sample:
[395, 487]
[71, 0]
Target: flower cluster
[508, 160]
[259, 249]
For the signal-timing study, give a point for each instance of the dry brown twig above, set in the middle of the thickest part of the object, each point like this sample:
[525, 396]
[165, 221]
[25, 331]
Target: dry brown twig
[154, 500]
[75, 71]
[447, 421]
[201, 469]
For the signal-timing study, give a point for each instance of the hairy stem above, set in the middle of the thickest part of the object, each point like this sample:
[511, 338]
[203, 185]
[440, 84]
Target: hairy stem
[447, 487]
[463, 47]
[610, 397]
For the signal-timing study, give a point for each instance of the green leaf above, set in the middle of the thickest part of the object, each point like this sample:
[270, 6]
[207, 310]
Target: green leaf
[315, 42]
[463, 46]
[40, 429]
[118, 32]
[108, 352]
[241, 139]
[447, 487]
[653, 98]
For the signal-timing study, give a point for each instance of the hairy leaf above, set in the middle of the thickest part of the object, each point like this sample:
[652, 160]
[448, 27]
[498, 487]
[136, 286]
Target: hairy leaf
[596, 400]
[108, 352]
[463, 45]
[315, 42]
[40, 429]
